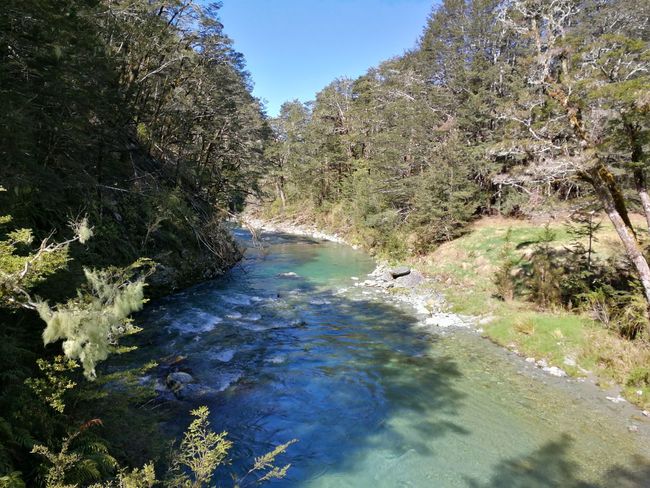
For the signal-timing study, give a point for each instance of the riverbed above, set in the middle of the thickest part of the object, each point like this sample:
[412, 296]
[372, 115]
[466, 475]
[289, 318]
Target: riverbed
[285, 346]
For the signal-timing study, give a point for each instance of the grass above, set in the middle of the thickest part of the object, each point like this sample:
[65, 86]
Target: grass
[464, 271]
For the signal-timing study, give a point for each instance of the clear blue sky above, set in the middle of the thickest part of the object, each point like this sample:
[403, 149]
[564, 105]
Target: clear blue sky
[293, 48]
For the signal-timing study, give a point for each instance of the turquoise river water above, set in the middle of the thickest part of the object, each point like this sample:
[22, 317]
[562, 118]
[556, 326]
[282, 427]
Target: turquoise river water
[284, 347]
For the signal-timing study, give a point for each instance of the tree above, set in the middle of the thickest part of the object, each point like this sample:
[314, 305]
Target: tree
[586, 104]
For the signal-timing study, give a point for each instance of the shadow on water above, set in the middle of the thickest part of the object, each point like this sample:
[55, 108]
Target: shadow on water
[345, 380]
[551, 466]
[358, 382]
[345, 376]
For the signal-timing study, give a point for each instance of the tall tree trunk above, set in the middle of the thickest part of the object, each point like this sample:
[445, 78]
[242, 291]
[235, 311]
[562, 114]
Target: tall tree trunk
[639, 174]
[279, 186]
[600, 181]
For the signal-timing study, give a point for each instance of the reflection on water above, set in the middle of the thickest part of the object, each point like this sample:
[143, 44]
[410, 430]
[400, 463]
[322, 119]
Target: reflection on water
[375, 399]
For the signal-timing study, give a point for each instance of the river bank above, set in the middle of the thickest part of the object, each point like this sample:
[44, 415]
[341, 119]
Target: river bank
[434, 310]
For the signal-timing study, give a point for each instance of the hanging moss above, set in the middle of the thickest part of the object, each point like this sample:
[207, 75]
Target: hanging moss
[92, 323]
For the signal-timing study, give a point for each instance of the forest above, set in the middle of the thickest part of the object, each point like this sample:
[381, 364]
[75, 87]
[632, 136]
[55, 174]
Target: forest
[130, 138]
[536, 112]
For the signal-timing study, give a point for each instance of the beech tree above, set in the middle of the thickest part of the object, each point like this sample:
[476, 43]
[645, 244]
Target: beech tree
[585, 106]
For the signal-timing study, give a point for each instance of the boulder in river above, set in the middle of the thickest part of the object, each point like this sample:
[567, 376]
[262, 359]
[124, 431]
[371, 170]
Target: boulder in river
[178, 380]
[400, 271]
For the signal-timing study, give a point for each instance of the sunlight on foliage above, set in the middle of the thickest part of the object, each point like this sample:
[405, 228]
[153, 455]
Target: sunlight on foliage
[92, 323]
[201, 451]
[53, 385]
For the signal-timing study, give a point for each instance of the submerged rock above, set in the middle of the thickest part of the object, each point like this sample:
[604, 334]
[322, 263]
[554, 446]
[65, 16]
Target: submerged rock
[178, 380]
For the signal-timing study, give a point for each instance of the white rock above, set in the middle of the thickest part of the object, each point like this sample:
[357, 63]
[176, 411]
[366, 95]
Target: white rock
[555, 371]
[646, 413]
[639, 392]
[530, 360]
[569, 361]
[445, 320]
[542, 363]
[616, 399]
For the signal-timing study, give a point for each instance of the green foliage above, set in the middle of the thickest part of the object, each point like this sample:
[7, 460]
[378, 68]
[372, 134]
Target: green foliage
[201, 452]
[639, 377]
[267, 463]
[54, 383]
[144, 477]
[545, 277]
[91, 324]
[503, 277]
[12, 480]
[622, 311]
[69, 466]
[21, 270]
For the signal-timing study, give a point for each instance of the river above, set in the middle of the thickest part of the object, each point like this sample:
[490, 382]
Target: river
[285, 347]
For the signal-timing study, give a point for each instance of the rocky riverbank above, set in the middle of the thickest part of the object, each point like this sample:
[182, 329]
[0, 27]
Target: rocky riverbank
[256, 224]
[400, 285]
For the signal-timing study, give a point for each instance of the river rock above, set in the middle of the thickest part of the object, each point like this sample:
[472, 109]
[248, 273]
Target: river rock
[399, 271]
[445, 320]
[555, 371]
[616, 399]
[177, 380]
[410, 280]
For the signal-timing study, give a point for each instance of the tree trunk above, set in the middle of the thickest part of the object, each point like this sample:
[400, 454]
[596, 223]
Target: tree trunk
[632, 131]
[624, 231]
[279, 184]
[645, 199]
